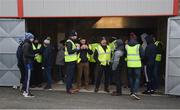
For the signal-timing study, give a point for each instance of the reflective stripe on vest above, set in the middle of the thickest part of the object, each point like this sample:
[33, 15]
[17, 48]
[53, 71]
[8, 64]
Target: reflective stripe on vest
[112, 45]
[70, 57]
[158, 57]
[157, 43]
[37, 58]
[133, 56]
[104, 57]
[93, 47]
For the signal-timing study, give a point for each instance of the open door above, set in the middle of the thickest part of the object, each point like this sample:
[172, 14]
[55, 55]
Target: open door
[173, 57]
[10, 31]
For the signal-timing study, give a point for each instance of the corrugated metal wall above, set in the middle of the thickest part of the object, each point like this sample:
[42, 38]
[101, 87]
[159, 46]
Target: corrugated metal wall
[97, 7]
[10, 31]
[173, 57]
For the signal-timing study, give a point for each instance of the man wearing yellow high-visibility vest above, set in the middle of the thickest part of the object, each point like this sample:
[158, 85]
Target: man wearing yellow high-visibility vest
[134, 53]
[102, 55]
[70, 55]
[37, 65]
[93, 65]
[83, 63]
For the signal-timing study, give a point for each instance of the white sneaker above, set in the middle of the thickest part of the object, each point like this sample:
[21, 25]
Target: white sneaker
[27, 95]
[14, 87]
[135, 97]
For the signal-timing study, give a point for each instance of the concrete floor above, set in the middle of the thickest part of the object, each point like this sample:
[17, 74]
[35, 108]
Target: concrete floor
[12, 99]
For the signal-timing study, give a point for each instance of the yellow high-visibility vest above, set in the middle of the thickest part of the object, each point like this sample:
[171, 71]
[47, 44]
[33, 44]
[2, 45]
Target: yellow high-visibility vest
[70, 57]
[158, 56]
[93, 48]
[79, 59]
[104, 57]
[112, 45]
[133, 56]
[37, 58]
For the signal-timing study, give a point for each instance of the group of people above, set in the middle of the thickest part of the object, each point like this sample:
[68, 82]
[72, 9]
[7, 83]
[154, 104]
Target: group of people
[93, 61]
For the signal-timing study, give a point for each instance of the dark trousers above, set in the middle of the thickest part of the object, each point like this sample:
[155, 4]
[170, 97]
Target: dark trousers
[103, 70]
[22, 72]
[93, 71]
[60, 75]
[117, 78]
[26, 83]
[151, 77]
[134, 79]
[47, 71]
[157, 75]
[70, 71]
[37, 77]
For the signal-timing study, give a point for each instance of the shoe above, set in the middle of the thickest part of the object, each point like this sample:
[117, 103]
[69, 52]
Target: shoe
[114, 93]
[152, 92]
[96, 90]
[47, 88]
[147, 92]
[60, 82]
[70, 91]
[135, 96]
[106, 90]
[25, 94]
[86, 88]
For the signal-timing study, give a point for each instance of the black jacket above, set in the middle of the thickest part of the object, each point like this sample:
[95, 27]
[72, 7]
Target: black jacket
[47, 56]
[83, 54]
[28, 54]
[19, 55]
[150, 52]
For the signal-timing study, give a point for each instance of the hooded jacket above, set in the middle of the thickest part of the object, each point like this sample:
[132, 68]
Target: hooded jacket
[47, 56]
[28, 54]
[117, 58]
[150, 52]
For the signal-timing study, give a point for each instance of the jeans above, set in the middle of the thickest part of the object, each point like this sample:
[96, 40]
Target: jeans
[26, 83]
[70, 71]
[47, 71]
[134, 75]
[103, 70]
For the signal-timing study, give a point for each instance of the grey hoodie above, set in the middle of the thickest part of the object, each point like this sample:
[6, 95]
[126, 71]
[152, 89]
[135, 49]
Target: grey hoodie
[118, 53]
